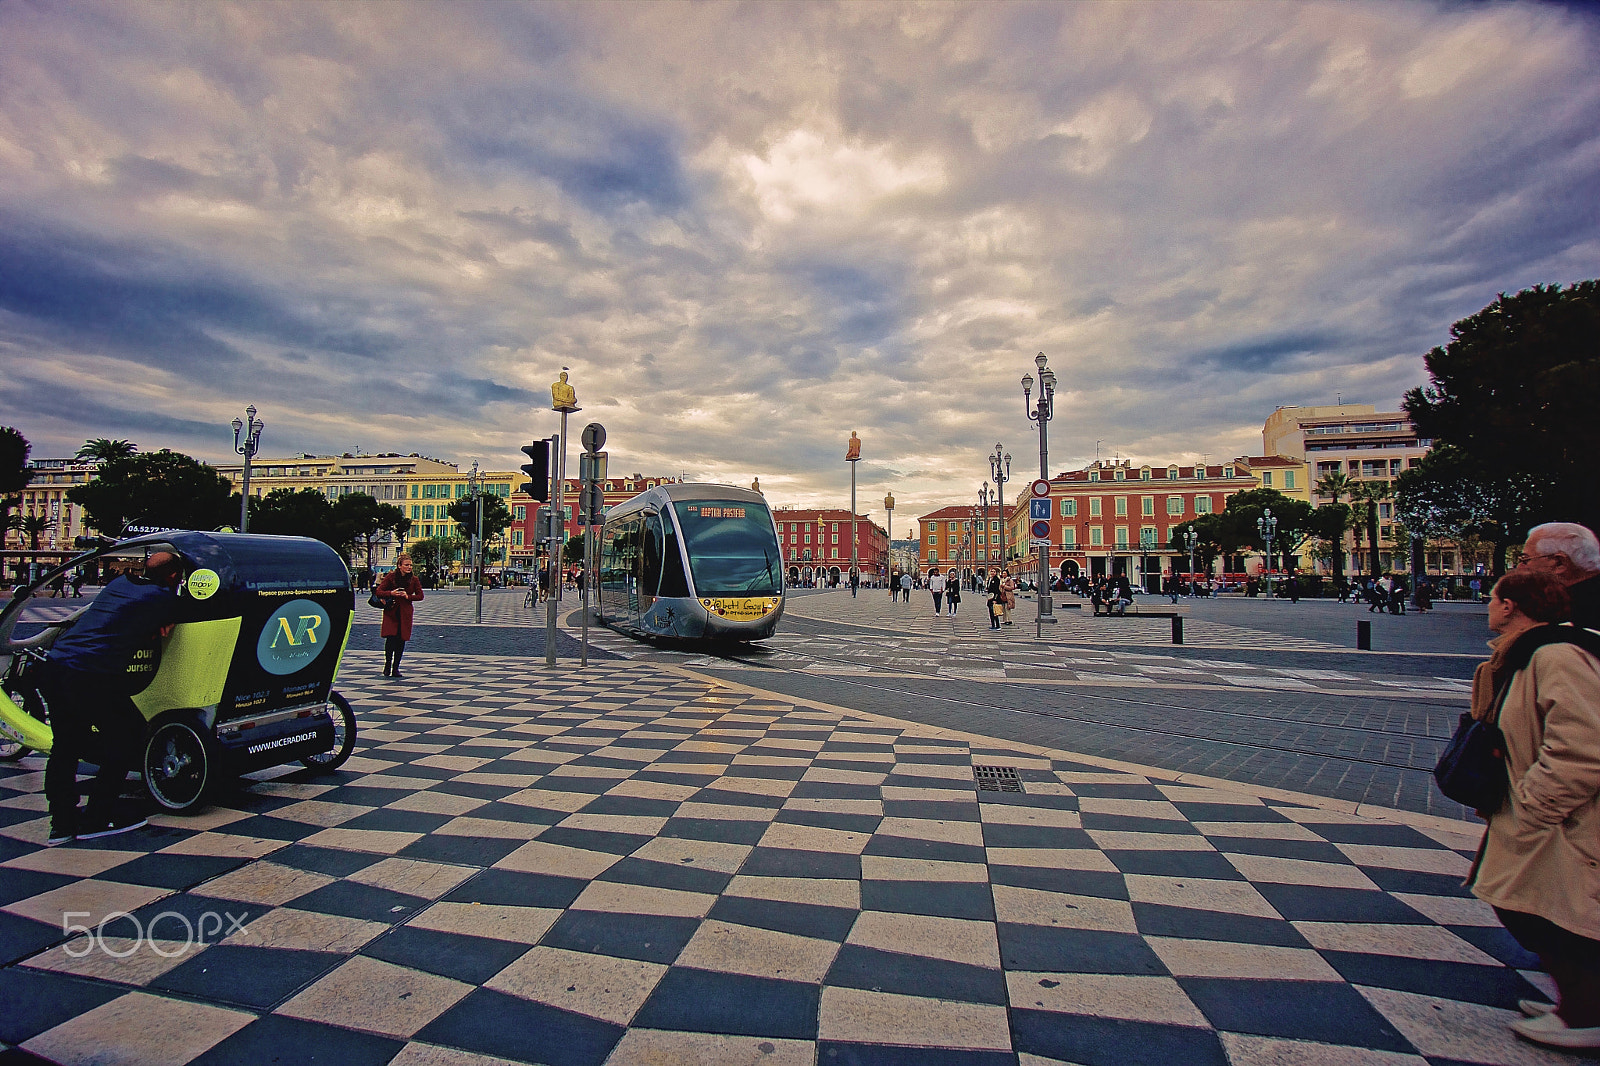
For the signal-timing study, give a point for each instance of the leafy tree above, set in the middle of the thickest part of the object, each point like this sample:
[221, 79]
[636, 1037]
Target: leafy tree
[360, 521]
[294, 513]
[434, 556]
[1207, 542]
[1328, 524]
[165, 488]
[572, 552]
[14, 477]
[496, 516]
[1448, 496]
[1516, 389]
[100, 449]
[1245, 508]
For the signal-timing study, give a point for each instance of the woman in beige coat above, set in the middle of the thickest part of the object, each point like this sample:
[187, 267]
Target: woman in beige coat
[1540, 864]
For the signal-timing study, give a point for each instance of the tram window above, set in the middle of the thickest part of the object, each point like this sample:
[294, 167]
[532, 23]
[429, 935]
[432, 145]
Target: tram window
[673, 580]
[650, 551]
[731, 547]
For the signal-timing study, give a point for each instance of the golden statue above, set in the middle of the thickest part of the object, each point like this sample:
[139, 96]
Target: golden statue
[563, 397]
[855, 448]
[755, 486]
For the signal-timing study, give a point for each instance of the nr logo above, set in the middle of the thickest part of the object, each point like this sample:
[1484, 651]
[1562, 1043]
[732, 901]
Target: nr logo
[295, 634]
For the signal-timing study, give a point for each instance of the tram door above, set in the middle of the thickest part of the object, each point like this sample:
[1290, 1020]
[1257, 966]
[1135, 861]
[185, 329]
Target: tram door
[649, 563]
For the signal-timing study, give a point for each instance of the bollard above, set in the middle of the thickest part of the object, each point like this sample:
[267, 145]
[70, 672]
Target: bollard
[1177, 629]
[1363, 636]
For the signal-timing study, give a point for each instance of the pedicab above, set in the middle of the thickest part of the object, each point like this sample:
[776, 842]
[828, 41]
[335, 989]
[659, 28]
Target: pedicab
[243, 682]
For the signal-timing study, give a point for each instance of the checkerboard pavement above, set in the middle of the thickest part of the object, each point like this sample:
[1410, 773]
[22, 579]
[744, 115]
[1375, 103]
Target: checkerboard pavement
[636, 865]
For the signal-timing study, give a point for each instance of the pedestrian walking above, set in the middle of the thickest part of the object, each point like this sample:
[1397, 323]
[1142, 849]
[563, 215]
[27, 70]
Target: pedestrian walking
[952, 595]
[78, 578]
[399, 588]
[1539, 866]
[936, 586]
[1008, 596]
[855, 583]
[993, 605]
[905, 586]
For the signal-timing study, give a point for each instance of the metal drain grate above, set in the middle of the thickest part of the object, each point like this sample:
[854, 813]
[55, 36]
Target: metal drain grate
[997, 778]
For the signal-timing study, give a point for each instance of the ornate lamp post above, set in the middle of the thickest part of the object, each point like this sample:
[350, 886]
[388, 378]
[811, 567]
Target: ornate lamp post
[1268, 527]
[246, 442]
[1000, 473]
[983, 506]
[1042, 413]
[1189, 539]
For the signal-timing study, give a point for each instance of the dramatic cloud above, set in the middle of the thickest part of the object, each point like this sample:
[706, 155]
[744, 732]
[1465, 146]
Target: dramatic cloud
[752, 228]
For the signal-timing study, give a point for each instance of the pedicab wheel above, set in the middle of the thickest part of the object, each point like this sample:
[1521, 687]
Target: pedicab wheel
[28, 699]
[344, 736]
[179, 764]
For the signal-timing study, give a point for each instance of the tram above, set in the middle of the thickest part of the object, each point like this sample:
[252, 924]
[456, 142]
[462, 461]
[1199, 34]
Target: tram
[693, 562]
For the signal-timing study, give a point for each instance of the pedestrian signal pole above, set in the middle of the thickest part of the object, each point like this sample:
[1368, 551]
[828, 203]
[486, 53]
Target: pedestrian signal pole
[591, 508]
[563, 398]
[538, 486]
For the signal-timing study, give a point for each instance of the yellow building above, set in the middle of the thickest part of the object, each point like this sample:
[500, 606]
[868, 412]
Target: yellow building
[420, 486]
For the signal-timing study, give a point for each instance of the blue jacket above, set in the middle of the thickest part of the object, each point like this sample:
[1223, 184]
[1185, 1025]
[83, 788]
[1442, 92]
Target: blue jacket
[123, 618]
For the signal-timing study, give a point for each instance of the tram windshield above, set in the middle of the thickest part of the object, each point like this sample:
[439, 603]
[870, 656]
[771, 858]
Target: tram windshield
[732, 549]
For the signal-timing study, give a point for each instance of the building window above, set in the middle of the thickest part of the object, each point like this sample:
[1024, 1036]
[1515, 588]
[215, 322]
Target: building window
[1094, 475]
[1069, 536]
[1122, 536]
[1122, 506]
[1069, 508]
[1174, 504]
[516, 538]
[1119, 473]
[1097, 536]
[1094, 506]
[1202, 505]
[1172, 473]
[835, 528]
[1288, 479]
[1266, 479]
[1149, 537]
[1147, 506]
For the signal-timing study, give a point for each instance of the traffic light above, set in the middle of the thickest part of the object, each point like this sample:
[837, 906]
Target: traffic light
[538, 470]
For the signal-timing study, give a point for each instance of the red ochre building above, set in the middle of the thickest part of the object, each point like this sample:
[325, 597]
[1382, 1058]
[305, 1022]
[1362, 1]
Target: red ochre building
[1116, 518]
[523, 507]
[816, 545]
[964, 536]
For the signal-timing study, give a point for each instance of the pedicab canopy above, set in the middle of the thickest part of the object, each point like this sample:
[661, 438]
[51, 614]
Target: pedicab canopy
[262, 626]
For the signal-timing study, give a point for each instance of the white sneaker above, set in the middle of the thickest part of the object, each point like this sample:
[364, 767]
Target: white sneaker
[1551, 1031]
[1532, 1008]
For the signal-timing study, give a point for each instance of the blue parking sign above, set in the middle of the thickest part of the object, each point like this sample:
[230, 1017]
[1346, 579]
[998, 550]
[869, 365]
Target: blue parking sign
[1039, 510]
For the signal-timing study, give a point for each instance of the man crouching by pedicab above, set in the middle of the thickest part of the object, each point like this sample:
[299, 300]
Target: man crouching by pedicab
[86, 684]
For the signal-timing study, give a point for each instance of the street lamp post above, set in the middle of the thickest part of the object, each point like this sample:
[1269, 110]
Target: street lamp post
[1268, 526]
[246, 442]
[477, 545]
[1190, 538]
[1042, 413]
[1000, 473]
[983, 506]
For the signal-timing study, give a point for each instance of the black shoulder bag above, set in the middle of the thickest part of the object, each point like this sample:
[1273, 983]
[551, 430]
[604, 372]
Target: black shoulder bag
[1472, 771]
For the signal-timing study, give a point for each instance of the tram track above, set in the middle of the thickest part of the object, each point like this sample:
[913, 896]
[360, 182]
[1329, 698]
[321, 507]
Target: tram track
[1169, 731]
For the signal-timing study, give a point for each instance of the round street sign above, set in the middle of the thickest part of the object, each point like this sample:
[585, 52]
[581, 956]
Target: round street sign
[594, 437]
[1041, 530]
[1041, 487]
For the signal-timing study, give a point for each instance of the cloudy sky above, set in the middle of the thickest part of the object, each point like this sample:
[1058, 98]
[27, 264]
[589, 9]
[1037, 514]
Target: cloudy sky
[752, 228]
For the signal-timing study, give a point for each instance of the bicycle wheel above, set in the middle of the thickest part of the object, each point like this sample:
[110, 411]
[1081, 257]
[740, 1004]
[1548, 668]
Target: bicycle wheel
[178, 764]
[344, 736]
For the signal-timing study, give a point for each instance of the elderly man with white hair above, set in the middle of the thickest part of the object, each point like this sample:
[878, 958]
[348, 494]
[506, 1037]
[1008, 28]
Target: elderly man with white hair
[1571, 554]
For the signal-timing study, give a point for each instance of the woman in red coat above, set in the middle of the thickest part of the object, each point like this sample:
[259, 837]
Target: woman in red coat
[399, 588]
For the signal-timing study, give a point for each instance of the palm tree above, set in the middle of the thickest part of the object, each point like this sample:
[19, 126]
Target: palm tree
[14, 477]
[1334, 486]
[102, 449]
[33, 525]
[1366, 495]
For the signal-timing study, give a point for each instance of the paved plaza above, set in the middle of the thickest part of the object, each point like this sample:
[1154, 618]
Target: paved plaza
[667, 858]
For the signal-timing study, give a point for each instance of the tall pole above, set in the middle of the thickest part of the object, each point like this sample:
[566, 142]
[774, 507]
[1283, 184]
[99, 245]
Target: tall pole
[853, 456]
[888, 560]
[1000, 468]
[1042, 415]
[477, 547]
[564, 399]
[246, 441]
